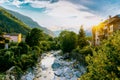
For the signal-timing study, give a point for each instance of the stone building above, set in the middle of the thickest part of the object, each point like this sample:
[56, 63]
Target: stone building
[105, 29]
[13, 37]
[9, 37]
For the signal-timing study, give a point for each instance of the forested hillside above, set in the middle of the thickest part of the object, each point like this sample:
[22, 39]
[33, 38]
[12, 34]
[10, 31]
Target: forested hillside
[28, 21]
[9, 23]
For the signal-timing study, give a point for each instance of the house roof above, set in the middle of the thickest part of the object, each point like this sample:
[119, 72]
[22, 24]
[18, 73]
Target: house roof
[13, 34]
[112, 19]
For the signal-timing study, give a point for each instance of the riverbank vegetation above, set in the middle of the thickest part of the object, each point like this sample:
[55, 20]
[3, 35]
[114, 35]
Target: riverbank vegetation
[104, 64]
[24, 55]
[76, 45]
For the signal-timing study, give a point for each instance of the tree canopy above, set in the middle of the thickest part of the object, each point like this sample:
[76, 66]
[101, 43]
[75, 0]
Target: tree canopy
[105, 62]
[34, 37]
[82, 41]
[68, 41]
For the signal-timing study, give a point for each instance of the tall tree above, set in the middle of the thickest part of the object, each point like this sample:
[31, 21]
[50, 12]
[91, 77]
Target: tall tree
[68, 41]
[34, 37]
[82, 38]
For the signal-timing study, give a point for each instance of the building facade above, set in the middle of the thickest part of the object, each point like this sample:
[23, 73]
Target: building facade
[13, 37]
[105, 29]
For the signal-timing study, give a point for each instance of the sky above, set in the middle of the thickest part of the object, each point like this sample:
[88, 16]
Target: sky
[65, 14]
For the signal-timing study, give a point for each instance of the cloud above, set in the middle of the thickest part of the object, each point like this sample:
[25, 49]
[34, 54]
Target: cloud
[65, 9]
[65, 14]
[2, 1]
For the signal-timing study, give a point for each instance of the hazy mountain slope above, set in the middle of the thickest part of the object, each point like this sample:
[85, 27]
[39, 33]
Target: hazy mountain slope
[28, 21]
[88, 32]
[9, 23]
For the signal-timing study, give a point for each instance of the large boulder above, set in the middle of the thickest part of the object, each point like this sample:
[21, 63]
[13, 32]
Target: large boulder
[68, 73]
[59, 73]
[66, 56]
[78, 74]
[82, 69]
[55, 65]
[28, 76]
[43, 67]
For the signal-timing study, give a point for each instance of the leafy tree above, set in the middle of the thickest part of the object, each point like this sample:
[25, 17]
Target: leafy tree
[68, 41]
[34, 37]
[45, 45]
[82, 41]
[6, 59]
[36, 52]
[36, 49]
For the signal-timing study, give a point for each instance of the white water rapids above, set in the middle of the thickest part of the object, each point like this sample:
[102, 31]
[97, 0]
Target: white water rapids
[53, 67]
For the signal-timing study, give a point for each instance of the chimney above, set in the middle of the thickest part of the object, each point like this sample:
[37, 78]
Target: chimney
[110, 17]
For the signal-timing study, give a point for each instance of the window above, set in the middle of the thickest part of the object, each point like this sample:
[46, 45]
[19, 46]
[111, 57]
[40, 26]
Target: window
[111, 28]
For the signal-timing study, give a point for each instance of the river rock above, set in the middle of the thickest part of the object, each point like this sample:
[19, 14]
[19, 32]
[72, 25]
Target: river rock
[83, 70]
[67, 70]
[55, 65]
[43, 67]
[66, 56]
[29, 76]
[74, 78]
[38, 75]
[59, 72]
[68, 73]
[63, 78]
[59, 69]
[78, 74]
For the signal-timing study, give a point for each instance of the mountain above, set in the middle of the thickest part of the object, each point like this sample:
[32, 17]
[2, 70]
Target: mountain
[88, 32]
[56, 33]
[9, 23]
[28, 21]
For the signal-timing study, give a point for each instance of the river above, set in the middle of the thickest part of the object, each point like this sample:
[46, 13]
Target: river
[52, 66]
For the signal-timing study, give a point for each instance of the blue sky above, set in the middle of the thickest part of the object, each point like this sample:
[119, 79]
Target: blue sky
[65, 14]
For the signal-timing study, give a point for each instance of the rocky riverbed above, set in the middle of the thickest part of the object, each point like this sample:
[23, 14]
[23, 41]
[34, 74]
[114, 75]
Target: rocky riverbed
[53, 67]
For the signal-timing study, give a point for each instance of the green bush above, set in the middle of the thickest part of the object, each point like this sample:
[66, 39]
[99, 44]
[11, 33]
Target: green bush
[45, 46]
[80, 54]
[105, 62]
[24, 48]
[13, 44]
[6, 60]
[2, 45]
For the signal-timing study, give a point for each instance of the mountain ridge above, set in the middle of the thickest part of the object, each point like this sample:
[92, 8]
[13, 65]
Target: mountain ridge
[31, 23]
[11, 24]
